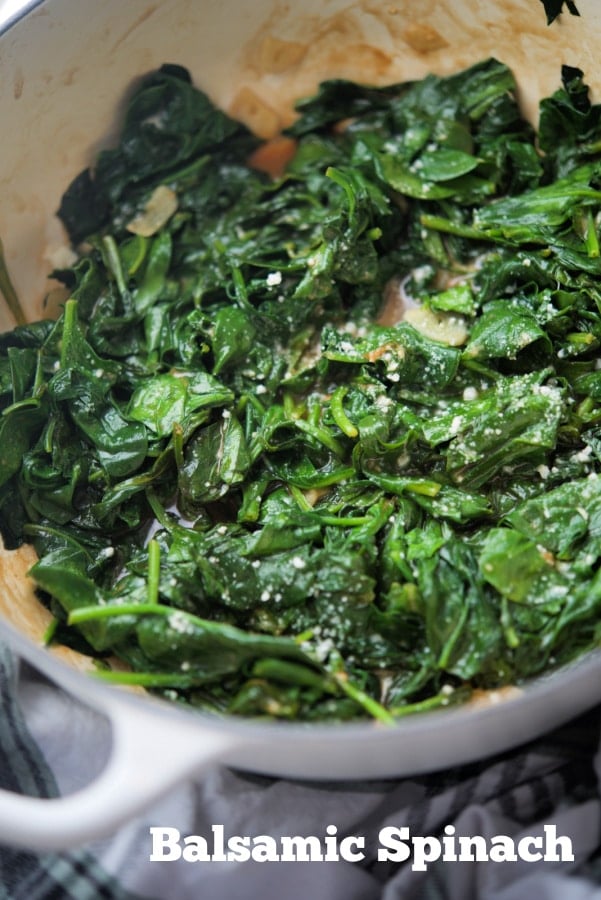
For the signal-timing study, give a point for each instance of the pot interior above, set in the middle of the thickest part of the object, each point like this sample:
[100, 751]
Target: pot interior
[67, 69]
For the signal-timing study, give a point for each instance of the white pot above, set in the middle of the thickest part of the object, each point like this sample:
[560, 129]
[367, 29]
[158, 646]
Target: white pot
[65, 69]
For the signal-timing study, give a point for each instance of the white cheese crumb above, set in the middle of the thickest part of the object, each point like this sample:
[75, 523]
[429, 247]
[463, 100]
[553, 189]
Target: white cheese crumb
[274, 278]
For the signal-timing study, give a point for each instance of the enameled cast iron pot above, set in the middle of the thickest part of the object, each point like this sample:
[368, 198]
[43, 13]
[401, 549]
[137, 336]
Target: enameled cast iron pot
[65, 68]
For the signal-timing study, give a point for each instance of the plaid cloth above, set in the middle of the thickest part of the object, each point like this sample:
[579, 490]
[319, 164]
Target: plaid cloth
[48, 743]
[23, 875]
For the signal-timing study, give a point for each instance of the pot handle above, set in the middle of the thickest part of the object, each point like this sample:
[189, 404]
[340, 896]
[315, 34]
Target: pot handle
[150, 754]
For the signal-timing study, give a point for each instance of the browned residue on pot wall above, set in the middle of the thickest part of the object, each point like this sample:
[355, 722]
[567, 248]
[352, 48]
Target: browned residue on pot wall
[139, 21]
[291, 51]
[18, 82]
[20, 606]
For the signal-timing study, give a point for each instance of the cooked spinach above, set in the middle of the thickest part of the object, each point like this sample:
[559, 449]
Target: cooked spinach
[327, 444]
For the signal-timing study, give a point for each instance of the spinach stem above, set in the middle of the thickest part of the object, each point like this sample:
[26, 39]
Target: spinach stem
[292, 673]
[325, 480]
[154, 572]
[339, 415]
[178, 445]
[113, 261]
[375, 709]
[322, 435]
[48, 635]
[8, 291]
[399, 485]
[144, 679]
[160, 514]
[345, 521]
[447, 226]
[111, 610]
[69, 326]
[240, 290]
[443, 698]
[592, 238]
[509, 631]
[300, 498]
